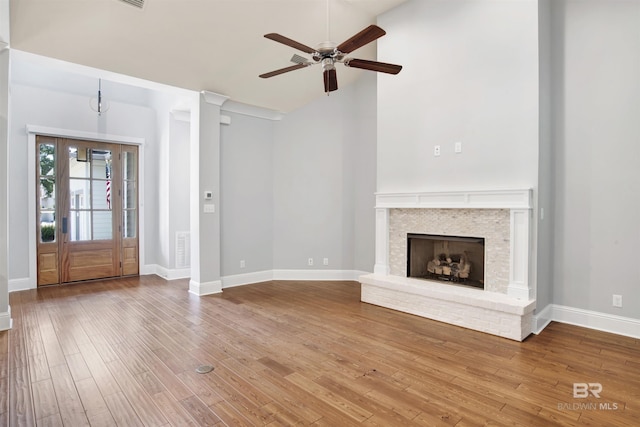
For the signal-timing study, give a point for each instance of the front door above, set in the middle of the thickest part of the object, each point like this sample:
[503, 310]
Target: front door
[87, 210]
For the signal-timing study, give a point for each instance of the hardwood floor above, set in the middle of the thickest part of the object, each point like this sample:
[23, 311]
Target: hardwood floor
[124, 352]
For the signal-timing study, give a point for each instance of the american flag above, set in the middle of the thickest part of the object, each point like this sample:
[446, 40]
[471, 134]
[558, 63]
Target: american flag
[107, 170]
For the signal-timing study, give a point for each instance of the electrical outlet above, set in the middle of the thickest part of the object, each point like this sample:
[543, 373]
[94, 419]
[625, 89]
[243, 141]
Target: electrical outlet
[310, 261]
[458, 147]
[617, 301]
[325, 261]
[436, 150]
[242, 264]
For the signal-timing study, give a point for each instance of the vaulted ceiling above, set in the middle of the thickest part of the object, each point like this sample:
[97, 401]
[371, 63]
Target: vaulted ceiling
[213, 45]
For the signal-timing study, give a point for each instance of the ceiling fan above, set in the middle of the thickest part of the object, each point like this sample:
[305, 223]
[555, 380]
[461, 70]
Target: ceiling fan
[328, 54]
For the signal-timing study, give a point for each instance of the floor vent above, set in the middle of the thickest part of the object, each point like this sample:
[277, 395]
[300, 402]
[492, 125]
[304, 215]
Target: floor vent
[136, 3]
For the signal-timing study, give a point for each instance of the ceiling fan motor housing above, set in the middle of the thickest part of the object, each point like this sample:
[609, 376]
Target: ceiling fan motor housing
[327, 64]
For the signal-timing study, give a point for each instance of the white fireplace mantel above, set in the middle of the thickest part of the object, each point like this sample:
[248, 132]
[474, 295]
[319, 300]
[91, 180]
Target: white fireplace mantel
[505, 314]
[518, 201]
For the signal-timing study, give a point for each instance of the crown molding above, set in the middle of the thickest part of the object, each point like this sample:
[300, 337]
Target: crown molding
[214, 98]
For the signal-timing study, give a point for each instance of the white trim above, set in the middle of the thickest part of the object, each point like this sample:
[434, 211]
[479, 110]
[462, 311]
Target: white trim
[605, 322]
[23, 284]
[253, 111]
[491, 199]
[247, 278]
[329, 275]
[520, 226]
[78, 134]
[214, 98]
[171, 273]
[382, 242]
[6, 322]
[208, 288]
[541, 319]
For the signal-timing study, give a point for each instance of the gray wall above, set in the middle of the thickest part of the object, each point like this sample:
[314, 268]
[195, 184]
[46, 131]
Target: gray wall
[470, 75]
[545, 253]
[324, 182]
[596, 134]
[246, 194]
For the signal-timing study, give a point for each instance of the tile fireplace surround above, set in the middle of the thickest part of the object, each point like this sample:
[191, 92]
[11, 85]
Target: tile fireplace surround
[503, 217]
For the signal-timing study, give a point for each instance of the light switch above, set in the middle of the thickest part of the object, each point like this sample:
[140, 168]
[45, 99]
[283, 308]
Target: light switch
[209, 208]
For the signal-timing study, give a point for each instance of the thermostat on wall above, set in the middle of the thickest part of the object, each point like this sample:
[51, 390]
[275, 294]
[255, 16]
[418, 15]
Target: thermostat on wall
[208, 195]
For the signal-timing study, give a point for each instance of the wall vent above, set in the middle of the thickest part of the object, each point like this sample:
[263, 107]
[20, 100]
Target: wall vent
[136, 3]
[183, 249]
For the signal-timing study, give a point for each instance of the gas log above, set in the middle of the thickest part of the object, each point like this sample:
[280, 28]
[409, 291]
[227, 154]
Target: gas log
[454, 267]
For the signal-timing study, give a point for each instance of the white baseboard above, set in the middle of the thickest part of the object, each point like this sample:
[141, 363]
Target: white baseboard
[605, 322]
[541, 319]
[317, 274]
[22, 284]
[6, 322]
[246, 278]
[206, 288]
[172, 274]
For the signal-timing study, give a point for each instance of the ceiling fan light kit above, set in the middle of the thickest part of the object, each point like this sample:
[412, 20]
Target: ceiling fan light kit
[328, 54]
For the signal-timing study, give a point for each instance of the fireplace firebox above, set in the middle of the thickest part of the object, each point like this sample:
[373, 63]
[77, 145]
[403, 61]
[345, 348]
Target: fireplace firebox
[453, 259]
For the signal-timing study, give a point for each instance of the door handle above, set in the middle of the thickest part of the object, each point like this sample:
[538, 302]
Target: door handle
[64, 225]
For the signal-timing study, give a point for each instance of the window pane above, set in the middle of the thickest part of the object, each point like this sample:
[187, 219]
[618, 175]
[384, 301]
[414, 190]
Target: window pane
[80, 226]
[47, 226]
[47, 160]
[47, 194]
[79, 162]
[102, 225]
[79, 193]
[130, 195]
[101, 195]
[129, 229]
[129, 166]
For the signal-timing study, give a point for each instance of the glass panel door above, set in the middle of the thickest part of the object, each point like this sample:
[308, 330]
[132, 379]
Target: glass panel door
[87, 210]
[90, 241]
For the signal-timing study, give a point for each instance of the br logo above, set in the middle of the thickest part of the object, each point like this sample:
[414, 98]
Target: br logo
[582, 390]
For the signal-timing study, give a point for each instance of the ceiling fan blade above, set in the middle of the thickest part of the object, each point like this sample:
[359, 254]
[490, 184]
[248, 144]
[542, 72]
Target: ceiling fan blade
[365, 36]
[287, 41]
[382, 67]
[282, 70]
[330, 80]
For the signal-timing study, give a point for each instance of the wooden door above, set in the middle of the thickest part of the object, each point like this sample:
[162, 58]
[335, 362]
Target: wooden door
[95, 232]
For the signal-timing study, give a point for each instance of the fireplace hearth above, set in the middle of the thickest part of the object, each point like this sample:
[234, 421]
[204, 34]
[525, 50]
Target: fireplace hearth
[451, 259]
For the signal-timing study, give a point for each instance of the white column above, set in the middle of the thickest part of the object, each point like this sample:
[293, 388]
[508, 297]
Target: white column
[205, 213]
[5, 310]
[519, 259]
[382, 242]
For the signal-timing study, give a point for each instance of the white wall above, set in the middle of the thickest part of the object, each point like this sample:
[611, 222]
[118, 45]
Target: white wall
[470, 75]
[596, 132]
[246, 150]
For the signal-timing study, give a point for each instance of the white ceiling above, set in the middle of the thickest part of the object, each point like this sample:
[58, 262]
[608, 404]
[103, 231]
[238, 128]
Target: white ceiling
[213, 45]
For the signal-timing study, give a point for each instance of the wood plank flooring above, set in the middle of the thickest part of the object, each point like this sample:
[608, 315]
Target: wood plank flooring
[124, 352]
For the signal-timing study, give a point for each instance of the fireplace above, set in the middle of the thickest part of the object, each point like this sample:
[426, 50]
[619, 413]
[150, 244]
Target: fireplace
[451, 259]
[491, 229]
